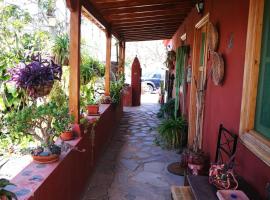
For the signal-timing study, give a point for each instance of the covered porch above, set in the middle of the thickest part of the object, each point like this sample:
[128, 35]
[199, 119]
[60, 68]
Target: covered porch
[132, 165]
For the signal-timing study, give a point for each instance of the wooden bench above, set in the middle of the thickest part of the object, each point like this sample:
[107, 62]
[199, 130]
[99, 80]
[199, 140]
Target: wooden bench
[181, 193]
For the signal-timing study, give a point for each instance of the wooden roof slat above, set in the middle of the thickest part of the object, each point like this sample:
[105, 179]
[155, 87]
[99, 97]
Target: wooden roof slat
[140, 19]
[124, 3]
[143, 9]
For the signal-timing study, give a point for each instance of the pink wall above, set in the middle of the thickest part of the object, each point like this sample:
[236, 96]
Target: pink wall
[223, 103]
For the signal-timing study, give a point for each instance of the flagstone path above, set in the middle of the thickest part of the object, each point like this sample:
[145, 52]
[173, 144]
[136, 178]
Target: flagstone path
[133, 167]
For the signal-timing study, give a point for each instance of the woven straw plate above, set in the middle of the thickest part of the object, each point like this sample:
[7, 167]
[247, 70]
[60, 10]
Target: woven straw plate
[217, 68]
[212, 37]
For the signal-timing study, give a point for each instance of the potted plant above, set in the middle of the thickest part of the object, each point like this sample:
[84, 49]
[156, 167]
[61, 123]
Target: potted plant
[170, 60]
[105, 99]
[92, 106]
[38, 121]
[116, 90]
[4, 193]
[172, 132]
[64, 124]
[37, 77]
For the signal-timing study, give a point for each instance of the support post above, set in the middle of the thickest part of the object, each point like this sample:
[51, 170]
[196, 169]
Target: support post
[121, 66]
[108, 62]
[124, 55]
[74, 59]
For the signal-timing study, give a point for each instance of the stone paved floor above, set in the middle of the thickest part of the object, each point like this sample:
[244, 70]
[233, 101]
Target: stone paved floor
[133, 167]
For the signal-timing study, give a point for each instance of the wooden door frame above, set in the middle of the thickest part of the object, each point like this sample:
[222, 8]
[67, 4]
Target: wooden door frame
[195, 62]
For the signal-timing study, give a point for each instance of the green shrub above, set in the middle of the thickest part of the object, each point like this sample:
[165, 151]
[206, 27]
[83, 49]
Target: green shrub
[172, 132]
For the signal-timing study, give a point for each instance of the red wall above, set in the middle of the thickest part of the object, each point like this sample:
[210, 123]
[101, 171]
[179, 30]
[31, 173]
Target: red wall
[223, 104]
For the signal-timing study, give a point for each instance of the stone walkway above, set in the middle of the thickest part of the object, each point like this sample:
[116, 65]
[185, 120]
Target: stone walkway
[133, 167]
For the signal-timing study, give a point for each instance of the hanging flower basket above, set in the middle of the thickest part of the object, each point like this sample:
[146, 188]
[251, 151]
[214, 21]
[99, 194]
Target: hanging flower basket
[40, 90]
[37, 77]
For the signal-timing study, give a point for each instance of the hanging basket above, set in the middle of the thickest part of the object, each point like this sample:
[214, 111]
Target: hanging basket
[217, 68]
[212, 37]
[40, 90]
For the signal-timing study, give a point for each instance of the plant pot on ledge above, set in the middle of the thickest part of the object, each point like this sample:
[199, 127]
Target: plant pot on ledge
[67, 135]
[93, 109]
[46, 155]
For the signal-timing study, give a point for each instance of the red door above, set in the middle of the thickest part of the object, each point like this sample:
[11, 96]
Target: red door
[136, 82]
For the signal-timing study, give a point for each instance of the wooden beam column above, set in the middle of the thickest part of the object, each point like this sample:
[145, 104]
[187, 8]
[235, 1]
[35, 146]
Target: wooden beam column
[108, 61]
[124, 55]
[74, 58]
[121, 66]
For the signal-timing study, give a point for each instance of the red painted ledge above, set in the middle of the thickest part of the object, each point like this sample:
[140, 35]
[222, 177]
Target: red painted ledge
[67, 178]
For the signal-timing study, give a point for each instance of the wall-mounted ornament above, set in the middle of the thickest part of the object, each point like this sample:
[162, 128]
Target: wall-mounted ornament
[212, 37]
[217, 68]
[189, 74]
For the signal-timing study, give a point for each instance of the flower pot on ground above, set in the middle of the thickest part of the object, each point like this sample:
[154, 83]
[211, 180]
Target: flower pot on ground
[5, 194]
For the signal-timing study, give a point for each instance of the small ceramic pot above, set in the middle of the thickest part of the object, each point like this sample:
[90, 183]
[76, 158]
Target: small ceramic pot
[67, 135]
[93, 109]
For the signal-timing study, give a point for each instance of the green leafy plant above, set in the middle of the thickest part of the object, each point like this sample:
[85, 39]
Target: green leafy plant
[61, 49]
[172, 132]
[116, 90]
[4, 192]
[41, 122]
[167, 110]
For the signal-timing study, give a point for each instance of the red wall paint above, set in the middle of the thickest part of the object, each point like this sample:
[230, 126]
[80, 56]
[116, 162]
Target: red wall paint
[223, 104]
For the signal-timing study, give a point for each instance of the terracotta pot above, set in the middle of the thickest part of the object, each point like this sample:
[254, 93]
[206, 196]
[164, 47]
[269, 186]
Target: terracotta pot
[46, 159]
[67, 135]
[3, 197]
[93, 109]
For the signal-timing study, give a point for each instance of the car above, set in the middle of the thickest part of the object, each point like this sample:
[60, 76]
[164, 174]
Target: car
[152, 83]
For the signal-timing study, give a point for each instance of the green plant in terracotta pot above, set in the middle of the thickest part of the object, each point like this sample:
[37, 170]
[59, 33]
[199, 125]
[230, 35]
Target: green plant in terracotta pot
[64, 124]
[4, 193]
[38, 121]
[92, 106]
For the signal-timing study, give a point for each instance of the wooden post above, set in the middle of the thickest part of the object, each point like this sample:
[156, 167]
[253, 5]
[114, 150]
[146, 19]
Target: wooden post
[121, 67]
[74, 58]
[108, 62]
[123, 55]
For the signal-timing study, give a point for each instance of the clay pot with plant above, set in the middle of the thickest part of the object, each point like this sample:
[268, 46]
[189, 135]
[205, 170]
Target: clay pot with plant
[4, 193]
[39, 121]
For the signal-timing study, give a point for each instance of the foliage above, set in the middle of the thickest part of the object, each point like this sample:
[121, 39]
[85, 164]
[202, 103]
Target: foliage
[4, 192]
[90, 69]
[172, 132]
[39, 72]
[15, 46]
[171, 57]
[167, 109]
[116, 90]
[41, 122]
[61, 49]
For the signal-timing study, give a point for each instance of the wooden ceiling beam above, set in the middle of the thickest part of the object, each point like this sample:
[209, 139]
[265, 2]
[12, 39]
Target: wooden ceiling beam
[142, 25]
[150, 22]
[143, 9]
[119, 4]
[174, 28]
[146, 14]
[148, 18]
[134, 39]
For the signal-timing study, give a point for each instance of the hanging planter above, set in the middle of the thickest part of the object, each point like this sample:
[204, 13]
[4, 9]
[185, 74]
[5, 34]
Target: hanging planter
[37, 77]
[171, 58]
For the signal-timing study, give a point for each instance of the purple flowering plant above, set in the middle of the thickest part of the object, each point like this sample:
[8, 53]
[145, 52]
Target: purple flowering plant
[39, 73]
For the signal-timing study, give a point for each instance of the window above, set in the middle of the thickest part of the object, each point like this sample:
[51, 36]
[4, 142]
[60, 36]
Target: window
[254, 129]
[262, 119]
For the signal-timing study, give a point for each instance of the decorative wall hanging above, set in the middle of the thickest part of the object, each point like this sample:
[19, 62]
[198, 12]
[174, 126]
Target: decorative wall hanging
[171, 58]
[217, 68]
[189, 74]
[212, 37]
